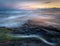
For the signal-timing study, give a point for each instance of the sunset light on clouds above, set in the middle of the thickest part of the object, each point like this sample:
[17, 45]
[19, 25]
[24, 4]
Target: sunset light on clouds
[35, 5]
[31, 4]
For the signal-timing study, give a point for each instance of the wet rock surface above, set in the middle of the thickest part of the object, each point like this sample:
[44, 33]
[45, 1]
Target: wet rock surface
[30, 28]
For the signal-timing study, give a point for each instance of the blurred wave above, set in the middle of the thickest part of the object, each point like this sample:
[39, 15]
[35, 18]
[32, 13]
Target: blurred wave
[12, 18]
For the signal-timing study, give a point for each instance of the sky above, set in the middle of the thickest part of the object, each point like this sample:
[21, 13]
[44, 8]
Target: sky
[30, 4]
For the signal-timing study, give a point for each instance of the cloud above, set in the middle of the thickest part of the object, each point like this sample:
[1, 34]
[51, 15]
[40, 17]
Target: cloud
[29, 3]
[14, 1]
[47, 2]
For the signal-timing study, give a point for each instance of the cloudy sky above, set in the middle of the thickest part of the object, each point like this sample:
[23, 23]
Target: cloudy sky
[30, 4]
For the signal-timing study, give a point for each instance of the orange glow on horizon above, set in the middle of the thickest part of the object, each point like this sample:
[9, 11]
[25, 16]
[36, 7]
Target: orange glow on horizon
[35, 6]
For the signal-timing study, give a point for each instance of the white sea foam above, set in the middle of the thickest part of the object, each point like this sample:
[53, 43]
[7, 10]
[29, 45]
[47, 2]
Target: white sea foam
[32, 36]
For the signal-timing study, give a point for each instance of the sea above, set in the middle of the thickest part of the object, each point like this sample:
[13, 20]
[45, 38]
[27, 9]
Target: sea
[49, 18]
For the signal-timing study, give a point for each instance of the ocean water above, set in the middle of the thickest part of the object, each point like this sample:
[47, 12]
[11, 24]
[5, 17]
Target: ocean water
[17, 18]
